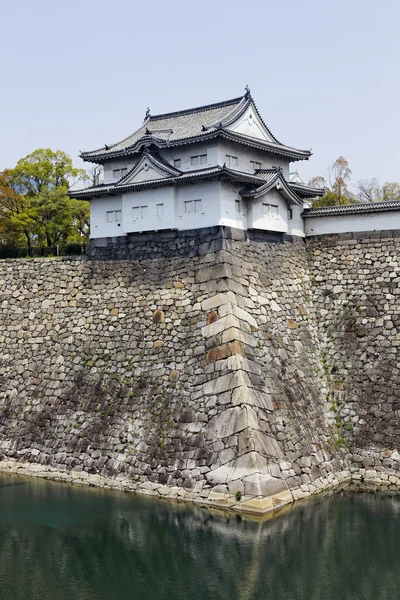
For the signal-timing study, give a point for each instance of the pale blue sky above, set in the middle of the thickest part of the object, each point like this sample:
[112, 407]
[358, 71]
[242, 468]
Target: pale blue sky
[325, 75]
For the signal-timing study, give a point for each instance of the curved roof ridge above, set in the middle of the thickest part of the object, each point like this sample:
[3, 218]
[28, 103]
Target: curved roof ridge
[231, 117]
[203, 108]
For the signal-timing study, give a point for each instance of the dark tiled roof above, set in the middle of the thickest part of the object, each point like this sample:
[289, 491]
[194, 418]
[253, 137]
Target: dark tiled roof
[347, 209]
[210, 172]
[181, 125]
[306, 191]
[271, 178]
[191, 125]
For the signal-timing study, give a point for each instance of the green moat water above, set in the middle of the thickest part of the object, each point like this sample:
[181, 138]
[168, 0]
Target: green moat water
[62, 542]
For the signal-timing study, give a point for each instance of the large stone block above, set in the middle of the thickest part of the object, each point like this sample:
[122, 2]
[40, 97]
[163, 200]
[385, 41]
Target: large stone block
[236, 334]
[252, 439]
[239, 468]
[220, 325]
[214, 272]
[251, 397]
[226, 382]
[221, 352]
[230, 421]
[259, 484]
[230, 308]
[218, 300]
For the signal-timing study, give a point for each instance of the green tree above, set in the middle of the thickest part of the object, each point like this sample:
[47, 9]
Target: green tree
[16, 219]
[41, 208]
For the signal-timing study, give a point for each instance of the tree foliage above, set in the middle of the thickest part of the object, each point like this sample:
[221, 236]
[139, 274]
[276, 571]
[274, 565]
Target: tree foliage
[35, 208]
[337, 188]
[391, 191]
[365, 190]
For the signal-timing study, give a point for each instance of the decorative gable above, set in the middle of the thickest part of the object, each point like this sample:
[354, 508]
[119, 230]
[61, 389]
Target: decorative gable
[250, 124]
[149, 168]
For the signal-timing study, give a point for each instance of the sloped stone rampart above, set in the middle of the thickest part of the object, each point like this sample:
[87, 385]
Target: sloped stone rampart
[200, 364]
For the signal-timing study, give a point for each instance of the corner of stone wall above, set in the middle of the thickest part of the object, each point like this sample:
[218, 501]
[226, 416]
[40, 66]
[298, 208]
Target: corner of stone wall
[234, 384]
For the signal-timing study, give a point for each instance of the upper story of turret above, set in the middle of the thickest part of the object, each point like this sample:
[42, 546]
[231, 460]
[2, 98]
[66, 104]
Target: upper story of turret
[218, 164]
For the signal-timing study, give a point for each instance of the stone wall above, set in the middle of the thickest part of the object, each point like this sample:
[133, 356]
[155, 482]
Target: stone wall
[206, 365]
[356, 292]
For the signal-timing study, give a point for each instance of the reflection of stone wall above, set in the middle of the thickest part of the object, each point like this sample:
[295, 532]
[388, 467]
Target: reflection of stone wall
[198, 364]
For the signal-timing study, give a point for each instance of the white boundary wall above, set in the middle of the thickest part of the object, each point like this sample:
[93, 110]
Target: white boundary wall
[352, 223]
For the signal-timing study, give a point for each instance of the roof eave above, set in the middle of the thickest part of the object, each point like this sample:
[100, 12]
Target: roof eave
[119, 187]
[352, 209]
[292, 153]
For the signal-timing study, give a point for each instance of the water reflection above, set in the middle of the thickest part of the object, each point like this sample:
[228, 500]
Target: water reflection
[58, 541]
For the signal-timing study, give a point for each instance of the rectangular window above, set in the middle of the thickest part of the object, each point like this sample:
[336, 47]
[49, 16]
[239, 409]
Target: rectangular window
[199, 159]
[237, 205]
[193, 206]
[231, 161]
[271, 210]
[177, 163]
[114, 216]
[117, 173]
[255, 165]
[160, 210]
[290, 214]
[139, 212]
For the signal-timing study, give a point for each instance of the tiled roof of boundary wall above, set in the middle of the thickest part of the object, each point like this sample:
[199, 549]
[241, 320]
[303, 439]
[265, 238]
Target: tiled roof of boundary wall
[349, 209]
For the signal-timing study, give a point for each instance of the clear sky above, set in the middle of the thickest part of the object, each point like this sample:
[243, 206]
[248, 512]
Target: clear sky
[324, 74]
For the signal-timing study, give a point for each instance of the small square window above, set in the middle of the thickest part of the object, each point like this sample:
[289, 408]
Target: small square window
[231, 161]
[177, 163]
[110, 216]
[237, 205]
[194, 160]
[136, 213]
[117, 173]
[197, 206]
[203, 159]
[118, 216]
[143, 212]
[188, 206]
[290, 214]
[160, 210]
[271, 210]
[256, 165]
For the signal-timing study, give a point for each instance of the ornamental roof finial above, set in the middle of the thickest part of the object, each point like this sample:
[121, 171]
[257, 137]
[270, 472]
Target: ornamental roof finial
[247, 90]
[147, 115]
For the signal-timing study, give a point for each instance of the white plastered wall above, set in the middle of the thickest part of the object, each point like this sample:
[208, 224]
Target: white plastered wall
[296, 224]
[343, 223]
[99, 227]
[258, 217]
[250, 124]
[209, 193]
[246, 154]
[123, 163]
[184, 154]
[148, 210]
[230, 216]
